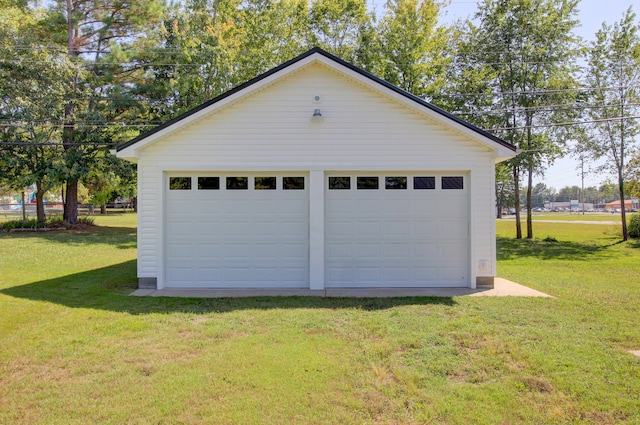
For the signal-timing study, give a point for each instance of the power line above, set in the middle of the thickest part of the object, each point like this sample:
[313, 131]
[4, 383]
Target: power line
[564, 123]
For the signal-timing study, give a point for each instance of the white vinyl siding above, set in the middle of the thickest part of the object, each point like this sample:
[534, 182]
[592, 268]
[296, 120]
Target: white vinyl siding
[359, 126]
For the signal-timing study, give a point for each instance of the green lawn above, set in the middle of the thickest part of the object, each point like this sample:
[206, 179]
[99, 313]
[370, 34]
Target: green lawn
[75, 349]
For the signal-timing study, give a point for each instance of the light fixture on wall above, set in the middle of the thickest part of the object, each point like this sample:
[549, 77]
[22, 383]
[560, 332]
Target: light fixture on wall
[317, 116]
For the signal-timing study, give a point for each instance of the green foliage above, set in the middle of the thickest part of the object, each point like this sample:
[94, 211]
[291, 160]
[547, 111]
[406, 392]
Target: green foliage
[19, 224]
[415, 49]
[634, 226]
[338, 26]
[90, 221]
[50, 222]
[613, 74]
[513, 68]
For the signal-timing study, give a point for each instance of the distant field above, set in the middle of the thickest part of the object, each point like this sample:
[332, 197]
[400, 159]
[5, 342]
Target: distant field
[570, 216]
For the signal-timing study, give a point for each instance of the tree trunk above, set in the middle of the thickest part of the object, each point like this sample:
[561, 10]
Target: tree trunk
[499, 200]
[103, 208]
[70, 214]
[40, 214]
[516, 190]
[71, 203]
[623, 211]
[529, 209]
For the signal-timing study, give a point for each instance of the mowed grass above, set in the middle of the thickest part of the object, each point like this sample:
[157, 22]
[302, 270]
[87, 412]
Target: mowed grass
[76, 349]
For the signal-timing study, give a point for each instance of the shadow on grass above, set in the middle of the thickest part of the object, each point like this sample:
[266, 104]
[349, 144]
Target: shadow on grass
[508, 248]
[120, 237]
[108, 288]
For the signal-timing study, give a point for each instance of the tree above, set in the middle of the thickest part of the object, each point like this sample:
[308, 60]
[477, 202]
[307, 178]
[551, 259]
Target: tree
[613, 76]
[272, 33]
[415, 51]
[504, 188]
[101, 38]
[31, 73]
[540, 194]
[525, 50]
[110, 179]
[338, 26]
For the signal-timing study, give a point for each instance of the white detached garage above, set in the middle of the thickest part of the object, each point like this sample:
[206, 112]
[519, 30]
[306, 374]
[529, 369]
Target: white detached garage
[316, 175]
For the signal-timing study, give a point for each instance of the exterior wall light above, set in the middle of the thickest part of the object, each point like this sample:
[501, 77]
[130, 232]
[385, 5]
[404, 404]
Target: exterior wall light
[317, 116]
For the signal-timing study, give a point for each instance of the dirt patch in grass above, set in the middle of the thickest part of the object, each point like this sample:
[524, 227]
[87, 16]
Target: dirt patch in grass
[537, 384]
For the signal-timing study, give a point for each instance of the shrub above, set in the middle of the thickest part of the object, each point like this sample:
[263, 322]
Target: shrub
[86, 220]
[56, 221]
[634, 226]
[31, 223]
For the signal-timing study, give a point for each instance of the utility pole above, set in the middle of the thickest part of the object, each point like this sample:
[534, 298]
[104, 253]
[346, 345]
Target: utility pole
[582, 175]
[24, 209]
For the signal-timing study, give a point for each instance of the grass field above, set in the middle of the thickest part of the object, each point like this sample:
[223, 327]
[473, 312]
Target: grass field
[565, 216]
[76, 349]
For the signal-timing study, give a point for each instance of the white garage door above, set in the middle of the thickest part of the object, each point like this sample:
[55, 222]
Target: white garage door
[397, 230]
[244, 230]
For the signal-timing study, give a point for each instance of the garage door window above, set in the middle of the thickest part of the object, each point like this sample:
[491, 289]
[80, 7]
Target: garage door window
[367, 183]
[452, 182]
[339, 183]
[265, 183]
[293, 183]
[179, 183]
[420, 183]
[208, 183]
[395, 182]
[237, 183]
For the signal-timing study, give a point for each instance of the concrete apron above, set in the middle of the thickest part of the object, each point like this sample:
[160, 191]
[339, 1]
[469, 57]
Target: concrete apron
[502, 288]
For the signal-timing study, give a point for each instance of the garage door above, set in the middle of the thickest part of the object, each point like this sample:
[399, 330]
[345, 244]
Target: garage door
[397, 230]
[243, 230]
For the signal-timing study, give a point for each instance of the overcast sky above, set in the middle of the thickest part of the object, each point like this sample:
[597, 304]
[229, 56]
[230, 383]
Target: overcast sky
[591, 15]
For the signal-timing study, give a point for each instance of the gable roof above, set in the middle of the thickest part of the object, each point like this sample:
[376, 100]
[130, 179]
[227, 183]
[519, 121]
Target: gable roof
[336, 61]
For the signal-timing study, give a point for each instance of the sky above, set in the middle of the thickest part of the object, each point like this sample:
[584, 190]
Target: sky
[592, 13]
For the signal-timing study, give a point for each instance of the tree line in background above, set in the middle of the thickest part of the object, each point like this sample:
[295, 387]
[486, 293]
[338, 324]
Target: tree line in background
[77, 77]
[542, 196]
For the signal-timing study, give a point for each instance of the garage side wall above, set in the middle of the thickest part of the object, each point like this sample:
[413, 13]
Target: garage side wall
[272, 129]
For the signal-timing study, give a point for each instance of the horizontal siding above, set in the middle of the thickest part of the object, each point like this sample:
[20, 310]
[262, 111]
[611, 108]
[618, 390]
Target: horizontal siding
[149, 208]
[483, 206]
[360, 126]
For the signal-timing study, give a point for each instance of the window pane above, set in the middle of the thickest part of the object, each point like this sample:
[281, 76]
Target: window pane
[452, 183]
[208, 183]
[395, 182]
[367, 183]
[179, 183]
[293, 183]
[339, 182]
[424, 182]
[237, 183]
[265, 183]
